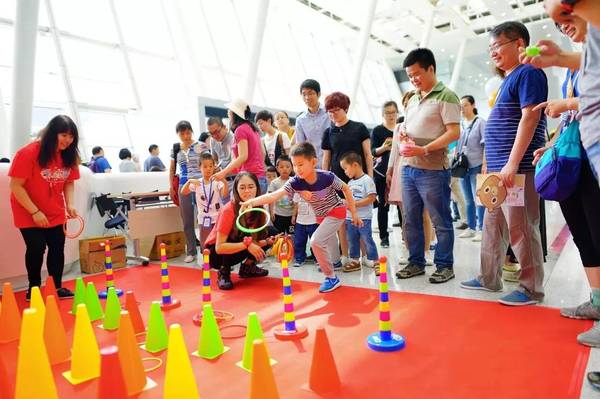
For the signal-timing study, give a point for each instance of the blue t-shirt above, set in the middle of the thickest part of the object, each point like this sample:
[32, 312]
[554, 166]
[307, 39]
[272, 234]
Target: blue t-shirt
[361, 188]
[99, 165]
[153, 161]
[523, 87]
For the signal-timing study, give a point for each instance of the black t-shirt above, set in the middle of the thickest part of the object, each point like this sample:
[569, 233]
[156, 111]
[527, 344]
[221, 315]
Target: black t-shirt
[342, 139]
[378, 136]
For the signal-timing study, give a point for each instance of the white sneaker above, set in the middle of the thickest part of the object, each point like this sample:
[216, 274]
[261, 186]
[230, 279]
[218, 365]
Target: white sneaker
[477, 237]
[468, 233]
[189, 258]
[344, 260]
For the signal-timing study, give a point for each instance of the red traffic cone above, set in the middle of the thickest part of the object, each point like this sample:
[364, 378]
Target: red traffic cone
[112, 383]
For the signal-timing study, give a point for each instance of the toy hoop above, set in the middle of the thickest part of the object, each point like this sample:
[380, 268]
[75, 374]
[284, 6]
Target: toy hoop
[255, 230]
[81, 226]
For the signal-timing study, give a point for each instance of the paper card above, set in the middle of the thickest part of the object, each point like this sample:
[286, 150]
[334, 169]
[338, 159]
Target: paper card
[492, 194]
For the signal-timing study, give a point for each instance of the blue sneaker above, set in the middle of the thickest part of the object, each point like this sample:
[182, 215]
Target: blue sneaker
[330, 284]
[517, 298]
[474, 285]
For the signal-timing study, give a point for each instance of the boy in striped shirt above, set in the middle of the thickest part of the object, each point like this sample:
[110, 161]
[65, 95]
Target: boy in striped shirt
[319, 188]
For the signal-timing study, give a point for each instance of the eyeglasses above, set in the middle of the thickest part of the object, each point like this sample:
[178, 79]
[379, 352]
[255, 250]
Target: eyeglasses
[496, 47]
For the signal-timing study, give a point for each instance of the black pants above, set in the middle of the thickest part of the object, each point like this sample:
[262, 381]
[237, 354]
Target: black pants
[383, 208]
[283, 224]
[36, 240]
[218, 261]
[582, 213]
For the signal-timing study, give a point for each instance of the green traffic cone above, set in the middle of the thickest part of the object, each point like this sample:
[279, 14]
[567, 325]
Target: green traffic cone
[112, 312]
[79, 295]
[253, 331]
[210, 344]
[92, 303]
[157, 338]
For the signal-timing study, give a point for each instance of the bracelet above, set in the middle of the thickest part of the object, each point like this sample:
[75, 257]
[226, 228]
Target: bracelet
[247, 241]
[35, 212]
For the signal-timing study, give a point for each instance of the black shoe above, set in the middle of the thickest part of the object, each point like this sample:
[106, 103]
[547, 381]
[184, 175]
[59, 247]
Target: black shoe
[385, 243]
[397, 224]
[224, 281]
[64, 293]
[28, 295]
[250, 270]
[462, 226]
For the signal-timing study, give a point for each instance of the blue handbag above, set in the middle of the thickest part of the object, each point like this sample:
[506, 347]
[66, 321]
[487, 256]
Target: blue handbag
[557, 172]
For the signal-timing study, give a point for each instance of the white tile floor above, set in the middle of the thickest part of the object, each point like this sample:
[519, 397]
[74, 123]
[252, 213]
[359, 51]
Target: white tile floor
[565, 282]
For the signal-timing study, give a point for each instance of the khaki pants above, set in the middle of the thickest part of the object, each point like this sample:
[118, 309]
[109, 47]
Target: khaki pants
[520, 225]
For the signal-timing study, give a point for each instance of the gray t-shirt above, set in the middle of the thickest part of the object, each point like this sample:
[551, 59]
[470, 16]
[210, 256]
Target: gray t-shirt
[473, 133]
[361, 188]
[127, 165]
[589, 85]
[285, 206]
[222, 150]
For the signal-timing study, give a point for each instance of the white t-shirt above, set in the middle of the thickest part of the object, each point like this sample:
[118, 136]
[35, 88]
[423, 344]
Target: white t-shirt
[208, 200]
[306, 214]
[271, 141]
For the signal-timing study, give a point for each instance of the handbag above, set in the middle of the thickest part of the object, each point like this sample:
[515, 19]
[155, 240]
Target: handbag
[557, 172]
[175, 179]
[460, 164]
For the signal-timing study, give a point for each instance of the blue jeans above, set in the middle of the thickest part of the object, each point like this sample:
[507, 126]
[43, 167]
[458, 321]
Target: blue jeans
[264, 185]
[356, 234]
[469, 184]
[430, 189]
[302, 232]
[593, 154]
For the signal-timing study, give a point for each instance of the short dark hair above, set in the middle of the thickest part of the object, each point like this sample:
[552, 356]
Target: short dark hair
[4, 160]
[352, 157]
[152, 148]
[96, 150]
[304, 149]
[182, 126]
[205, 156]
[512, 30]
[310, 84]
[214, 120]
[271, 169]
[263, 115]
[471, 101]
[283, 158]
[204, 136]
[390, 103]
[124, 153]
[422, 56]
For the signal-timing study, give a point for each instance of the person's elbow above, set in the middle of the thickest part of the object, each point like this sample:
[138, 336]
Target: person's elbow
[219, 248]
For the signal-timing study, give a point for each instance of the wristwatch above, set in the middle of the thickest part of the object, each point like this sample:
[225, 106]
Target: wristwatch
[568, 6]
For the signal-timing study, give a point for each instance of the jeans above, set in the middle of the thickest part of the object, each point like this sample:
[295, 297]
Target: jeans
[469, 184]
[427, 189]
[302, 232]
[355, 234]
[593, 153]
[187, 212]
[264, 185]
[36, 240]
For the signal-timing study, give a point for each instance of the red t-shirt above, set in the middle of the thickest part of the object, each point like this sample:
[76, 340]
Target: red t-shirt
[44, 186]
[224, 224]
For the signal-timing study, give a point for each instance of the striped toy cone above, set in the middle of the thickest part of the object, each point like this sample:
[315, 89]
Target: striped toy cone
[290, 330]
[34, 375]
[10, 316]
[55, 336]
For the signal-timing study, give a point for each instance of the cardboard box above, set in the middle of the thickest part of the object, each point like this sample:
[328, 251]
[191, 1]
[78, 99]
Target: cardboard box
[175, 245]
[91, 253]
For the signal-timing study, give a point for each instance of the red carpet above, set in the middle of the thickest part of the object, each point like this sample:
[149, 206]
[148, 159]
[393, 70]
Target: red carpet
[455, 348]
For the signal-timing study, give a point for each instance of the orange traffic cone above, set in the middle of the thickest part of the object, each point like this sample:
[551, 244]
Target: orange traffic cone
[49, 288]
[129, 356]
[5, 386]
[111, 384]
[134, 312]
[34, 375]
[10, 317]
[54, 333]
[324, 377]
[262, 381]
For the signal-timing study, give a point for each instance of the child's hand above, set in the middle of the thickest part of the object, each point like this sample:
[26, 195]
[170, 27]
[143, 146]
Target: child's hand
[245, 205]
[356, 220]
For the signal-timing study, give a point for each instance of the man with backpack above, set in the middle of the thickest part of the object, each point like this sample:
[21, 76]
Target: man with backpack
[99, 164]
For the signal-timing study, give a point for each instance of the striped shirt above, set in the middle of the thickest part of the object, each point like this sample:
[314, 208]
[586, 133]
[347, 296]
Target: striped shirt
[189, 162]
[523, 87]
[321, 195]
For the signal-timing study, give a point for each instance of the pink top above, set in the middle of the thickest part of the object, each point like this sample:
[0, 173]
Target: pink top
[255, 162]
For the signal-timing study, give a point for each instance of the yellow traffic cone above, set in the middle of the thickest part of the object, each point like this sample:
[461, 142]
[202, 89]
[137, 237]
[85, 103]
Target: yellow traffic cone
[85, 359]
[179, 377]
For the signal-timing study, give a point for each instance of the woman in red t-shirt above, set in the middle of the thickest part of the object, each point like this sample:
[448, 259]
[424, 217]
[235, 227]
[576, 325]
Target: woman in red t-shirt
[226, 242]
[42, 177]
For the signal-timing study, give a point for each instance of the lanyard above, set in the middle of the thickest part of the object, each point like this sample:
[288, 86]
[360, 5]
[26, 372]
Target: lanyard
[469, 128]
[208, 196]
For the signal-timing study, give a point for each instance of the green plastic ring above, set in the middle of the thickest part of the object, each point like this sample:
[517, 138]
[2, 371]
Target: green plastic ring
[532, 51]
[256, 230]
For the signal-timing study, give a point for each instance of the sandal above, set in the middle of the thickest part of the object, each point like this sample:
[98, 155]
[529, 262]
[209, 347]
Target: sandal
[410, 270]
[351, 266]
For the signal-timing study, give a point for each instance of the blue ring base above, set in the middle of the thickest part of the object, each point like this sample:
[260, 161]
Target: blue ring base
[104, 293]
[377, 344]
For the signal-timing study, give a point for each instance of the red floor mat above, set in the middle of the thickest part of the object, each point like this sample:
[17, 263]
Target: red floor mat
[455, 348]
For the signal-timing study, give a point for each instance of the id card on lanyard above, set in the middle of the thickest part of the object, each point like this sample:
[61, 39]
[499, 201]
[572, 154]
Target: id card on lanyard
[208, 197]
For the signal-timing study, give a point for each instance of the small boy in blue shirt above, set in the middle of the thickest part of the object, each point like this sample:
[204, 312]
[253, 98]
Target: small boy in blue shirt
[319, 188]
[364, 194]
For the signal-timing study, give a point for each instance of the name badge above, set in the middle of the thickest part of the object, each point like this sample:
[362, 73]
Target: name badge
[207, 221]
